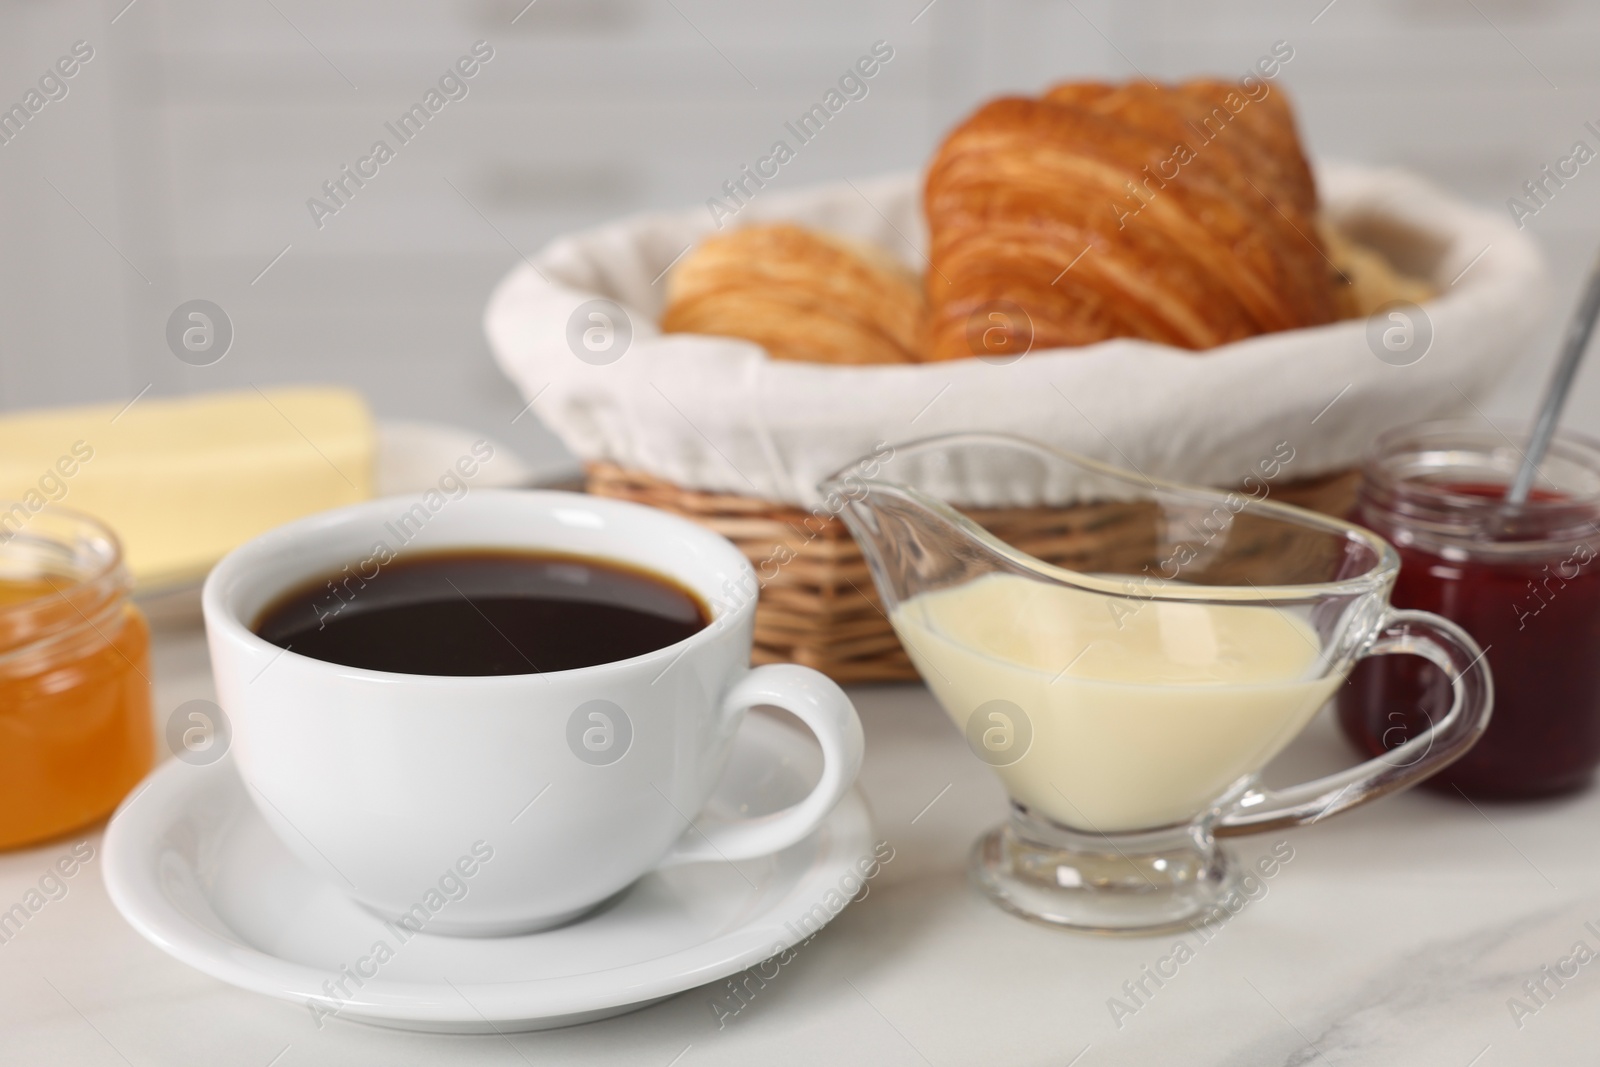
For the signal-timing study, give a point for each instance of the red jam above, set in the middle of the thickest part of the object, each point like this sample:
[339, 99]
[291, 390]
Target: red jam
[1523, 582]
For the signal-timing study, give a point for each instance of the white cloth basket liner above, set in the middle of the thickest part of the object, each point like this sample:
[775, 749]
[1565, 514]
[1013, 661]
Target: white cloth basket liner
[717, 414]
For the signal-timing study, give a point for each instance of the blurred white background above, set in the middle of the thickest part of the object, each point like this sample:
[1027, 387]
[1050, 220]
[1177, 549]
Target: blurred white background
[179, 164]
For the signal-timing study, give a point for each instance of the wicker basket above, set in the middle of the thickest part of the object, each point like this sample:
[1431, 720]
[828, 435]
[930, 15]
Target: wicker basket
[821, 609]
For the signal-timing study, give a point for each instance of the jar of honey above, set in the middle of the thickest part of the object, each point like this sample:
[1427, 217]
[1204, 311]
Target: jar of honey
[1524, 581]
[75, 729]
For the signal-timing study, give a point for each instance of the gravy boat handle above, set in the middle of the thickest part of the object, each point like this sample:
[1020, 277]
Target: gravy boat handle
[1409, 633]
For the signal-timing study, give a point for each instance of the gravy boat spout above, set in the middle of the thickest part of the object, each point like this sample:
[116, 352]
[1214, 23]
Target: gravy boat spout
[941, 511]
[1128, 653]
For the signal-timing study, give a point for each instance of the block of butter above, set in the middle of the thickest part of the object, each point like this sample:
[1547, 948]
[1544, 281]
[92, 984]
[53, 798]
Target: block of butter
[184, 480]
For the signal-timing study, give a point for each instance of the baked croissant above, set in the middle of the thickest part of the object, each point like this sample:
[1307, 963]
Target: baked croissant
[1366, 279]
[800, 294]
[1184, 215]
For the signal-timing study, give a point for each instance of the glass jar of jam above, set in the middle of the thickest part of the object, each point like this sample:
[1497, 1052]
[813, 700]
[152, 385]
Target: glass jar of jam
[75, 727]
[1524, 581]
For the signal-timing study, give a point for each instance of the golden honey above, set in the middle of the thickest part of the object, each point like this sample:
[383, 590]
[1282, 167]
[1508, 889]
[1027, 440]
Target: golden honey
[75, 728]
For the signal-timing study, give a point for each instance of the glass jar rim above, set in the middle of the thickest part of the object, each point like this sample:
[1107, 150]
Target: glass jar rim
[1440, 513]
[1571, 442]
[94, 582]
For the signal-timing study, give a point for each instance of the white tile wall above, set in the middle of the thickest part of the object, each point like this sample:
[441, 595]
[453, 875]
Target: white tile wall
[188, 146]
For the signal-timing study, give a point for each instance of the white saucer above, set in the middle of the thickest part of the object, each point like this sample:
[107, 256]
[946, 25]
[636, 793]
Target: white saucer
[194, 869]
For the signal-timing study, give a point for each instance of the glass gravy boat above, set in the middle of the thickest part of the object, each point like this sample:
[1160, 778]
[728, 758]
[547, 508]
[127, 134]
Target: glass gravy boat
[1130, 656]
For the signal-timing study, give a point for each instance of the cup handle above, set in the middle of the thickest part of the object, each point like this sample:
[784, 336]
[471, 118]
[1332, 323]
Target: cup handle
[818, 702]
[1414, 633]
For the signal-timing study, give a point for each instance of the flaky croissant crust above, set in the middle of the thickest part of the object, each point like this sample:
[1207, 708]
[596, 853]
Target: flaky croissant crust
[800, 294]
[1183, 215]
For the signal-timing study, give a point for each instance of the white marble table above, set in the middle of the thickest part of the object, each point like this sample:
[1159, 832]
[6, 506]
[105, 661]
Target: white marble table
[1397, 934]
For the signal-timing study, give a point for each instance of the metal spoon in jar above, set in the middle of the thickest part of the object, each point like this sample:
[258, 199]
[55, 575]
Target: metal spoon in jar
[1573, 346]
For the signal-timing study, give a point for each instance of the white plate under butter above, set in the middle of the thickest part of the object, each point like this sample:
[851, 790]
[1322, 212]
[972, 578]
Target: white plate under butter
[194, 869]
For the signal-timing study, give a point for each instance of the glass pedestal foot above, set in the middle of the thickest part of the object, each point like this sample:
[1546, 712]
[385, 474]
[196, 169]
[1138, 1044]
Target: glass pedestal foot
[1132, 883]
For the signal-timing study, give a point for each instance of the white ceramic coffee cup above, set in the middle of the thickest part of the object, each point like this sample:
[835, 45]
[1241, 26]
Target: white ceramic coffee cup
[413, 790]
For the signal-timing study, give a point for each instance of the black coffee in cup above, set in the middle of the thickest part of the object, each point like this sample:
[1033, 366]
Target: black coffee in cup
[483, 611]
